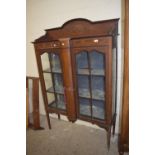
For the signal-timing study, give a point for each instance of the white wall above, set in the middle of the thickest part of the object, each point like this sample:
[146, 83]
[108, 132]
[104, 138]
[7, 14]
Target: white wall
[44, 14]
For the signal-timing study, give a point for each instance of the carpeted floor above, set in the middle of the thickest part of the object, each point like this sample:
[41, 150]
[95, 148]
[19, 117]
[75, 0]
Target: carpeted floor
[67, 138]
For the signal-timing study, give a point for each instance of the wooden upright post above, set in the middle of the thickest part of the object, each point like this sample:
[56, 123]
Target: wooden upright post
[35, 102]
[124, 135]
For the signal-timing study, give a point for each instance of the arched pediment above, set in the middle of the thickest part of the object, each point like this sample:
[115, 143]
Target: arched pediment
[80, 27]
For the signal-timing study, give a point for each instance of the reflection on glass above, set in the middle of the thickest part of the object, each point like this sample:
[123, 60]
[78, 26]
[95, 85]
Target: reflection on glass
[97, 85]
[48, 80]
[58, 83]
[84, 107]
[45, 61]
[82, 63]
[97, 63]
[56, 67]
[60, 102]
[50, 98]
[50, 90]
[98, 109]
[83, 86]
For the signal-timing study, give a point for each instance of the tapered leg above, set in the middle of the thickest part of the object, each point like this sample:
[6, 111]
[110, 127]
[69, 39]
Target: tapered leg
[59, 116]
[114, 124]
[108, 136]
[48, 120]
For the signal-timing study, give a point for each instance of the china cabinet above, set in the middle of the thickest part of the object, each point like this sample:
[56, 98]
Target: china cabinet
[77, 67]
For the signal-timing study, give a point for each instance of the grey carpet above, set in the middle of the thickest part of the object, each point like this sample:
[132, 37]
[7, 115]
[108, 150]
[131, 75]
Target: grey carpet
[67, 138]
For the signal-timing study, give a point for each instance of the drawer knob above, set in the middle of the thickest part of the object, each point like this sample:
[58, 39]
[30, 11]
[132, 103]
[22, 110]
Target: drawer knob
[62, 44]
[54, 45]
[95, 40]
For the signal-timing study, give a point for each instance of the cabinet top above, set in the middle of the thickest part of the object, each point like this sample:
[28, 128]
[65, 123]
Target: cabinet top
[79, 28]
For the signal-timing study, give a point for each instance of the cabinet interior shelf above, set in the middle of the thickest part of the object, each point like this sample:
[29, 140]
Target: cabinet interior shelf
[58, 105]
[97, 99]
[51, 90]
[48, 70]
[96, 94]
[89, 118]
[97, 112]
[98, 72]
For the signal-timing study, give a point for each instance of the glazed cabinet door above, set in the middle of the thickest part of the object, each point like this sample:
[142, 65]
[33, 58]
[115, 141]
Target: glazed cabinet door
[55, 71]
[52, 80]
[92, 82]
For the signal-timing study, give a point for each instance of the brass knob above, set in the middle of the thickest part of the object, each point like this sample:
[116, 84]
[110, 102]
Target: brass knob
[95, 40]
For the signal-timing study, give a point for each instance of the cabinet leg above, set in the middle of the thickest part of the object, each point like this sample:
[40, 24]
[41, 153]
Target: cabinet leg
[71, 119]
[108, 137]
[48, 120]
[114, 124]
[59, 116]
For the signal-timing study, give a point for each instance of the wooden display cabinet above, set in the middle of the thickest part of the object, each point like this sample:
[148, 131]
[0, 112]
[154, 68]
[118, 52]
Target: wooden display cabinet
[77, 65]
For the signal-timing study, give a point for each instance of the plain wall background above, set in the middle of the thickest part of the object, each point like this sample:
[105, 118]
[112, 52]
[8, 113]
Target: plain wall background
[44, 14]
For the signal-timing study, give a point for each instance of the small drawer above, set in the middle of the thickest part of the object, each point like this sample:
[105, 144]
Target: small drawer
[98, 41]
[48, 45]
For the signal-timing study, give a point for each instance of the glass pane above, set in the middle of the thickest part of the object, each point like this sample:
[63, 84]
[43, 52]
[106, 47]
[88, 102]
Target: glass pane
[56, 67]
[58, 83]
[83, 86]
[84, 107]
[97, 63]
[97, 85]
[48, 80]
[45, 62]
[98, 109]
[61, 103]
[51, 100]
[82, 63]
